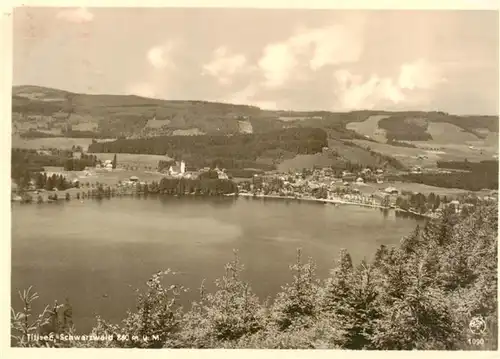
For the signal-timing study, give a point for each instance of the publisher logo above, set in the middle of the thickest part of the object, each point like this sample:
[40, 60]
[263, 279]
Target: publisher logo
[477, 325]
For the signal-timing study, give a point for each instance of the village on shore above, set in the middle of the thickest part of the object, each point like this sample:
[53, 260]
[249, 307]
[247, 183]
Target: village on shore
[367, 187]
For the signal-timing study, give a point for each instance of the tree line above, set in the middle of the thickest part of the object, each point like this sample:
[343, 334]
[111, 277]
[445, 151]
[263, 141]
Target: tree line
[79, 164]
[382, 159]
[391, 141]
[419, 295]
[488, 166]
[420, 202]
[26, 164]
[43, 181]
[199, 186]
[471, 181]
[235, 151]
[399, 129]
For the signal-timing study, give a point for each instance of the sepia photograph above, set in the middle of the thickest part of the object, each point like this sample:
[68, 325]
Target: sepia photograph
[254, 178]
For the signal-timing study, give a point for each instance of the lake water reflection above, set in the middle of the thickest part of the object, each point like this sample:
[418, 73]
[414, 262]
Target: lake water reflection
[97, 252]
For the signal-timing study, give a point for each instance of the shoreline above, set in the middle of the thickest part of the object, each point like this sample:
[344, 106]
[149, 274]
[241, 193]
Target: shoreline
[321, 200]
[333, 201]
[245, 195]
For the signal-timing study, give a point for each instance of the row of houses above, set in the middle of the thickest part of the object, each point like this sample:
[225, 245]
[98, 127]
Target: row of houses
[179, 170]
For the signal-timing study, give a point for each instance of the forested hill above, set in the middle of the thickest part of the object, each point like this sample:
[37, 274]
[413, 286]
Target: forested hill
[44, 112]
[235, 151]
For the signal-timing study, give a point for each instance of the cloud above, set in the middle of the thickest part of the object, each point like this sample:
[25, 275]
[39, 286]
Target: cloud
[155, 80]
[76, 15]
[225, 65]
[159, 56]
[277, 63]
[419, 75]
[354, 93]
[310, 50]
[412, 85]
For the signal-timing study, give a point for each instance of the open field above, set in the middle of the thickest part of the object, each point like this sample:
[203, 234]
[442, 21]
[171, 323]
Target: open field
[447, 152]
[154, 123]
[369, 127]
[189, 132]
[53, 142]
[352, 153]
[245, 126]
[458, 152]
[372, 188]
[343, 152]
[490, 140]
[129, 159]
[369, 188]
[306, 161]
[105, 177]
[446, 133]
[406, 155]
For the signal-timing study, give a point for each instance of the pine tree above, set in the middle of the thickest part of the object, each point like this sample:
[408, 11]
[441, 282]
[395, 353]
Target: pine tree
[49, 184]
[296, 305]
[337, 286]
[420, 318]
[411, 243]
[40, 180]
[365, 309]
[228, 314]
[437, 202]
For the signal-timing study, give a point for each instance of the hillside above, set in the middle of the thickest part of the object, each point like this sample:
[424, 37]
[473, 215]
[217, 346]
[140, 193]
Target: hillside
[239, 151]
[39, 112]
[43, 112]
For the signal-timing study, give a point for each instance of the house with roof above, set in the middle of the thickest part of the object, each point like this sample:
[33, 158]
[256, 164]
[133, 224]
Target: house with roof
[349, 178]
[416, 169]
[391, 190]
[108, 164]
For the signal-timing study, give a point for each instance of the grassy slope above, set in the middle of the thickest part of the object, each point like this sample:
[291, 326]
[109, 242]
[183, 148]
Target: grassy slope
[51, 110]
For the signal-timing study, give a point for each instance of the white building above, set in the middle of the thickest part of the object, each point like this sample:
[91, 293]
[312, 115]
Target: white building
[221, 173]
[178, 169]
[391, 190]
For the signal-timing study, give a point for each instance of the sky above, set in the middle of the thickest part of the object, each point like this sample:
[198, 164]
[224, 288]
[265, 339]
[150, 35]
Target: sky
[333, 60]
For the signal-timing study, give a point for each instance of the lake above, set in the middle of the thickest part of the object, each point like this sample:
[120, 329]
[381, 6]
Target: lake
[97, 252]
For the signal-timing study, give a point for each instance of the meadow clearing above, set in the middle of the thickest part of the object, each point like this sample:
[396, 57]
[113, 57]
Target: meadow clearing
[134, 160]
[369, 188]
[370, 128]
[428, 157]
[52, 142]
[106, 177]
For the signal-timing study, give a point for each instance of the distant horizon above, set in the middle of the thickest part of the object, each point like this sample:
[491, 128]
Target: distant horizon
[335, 60]
[242, 104]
